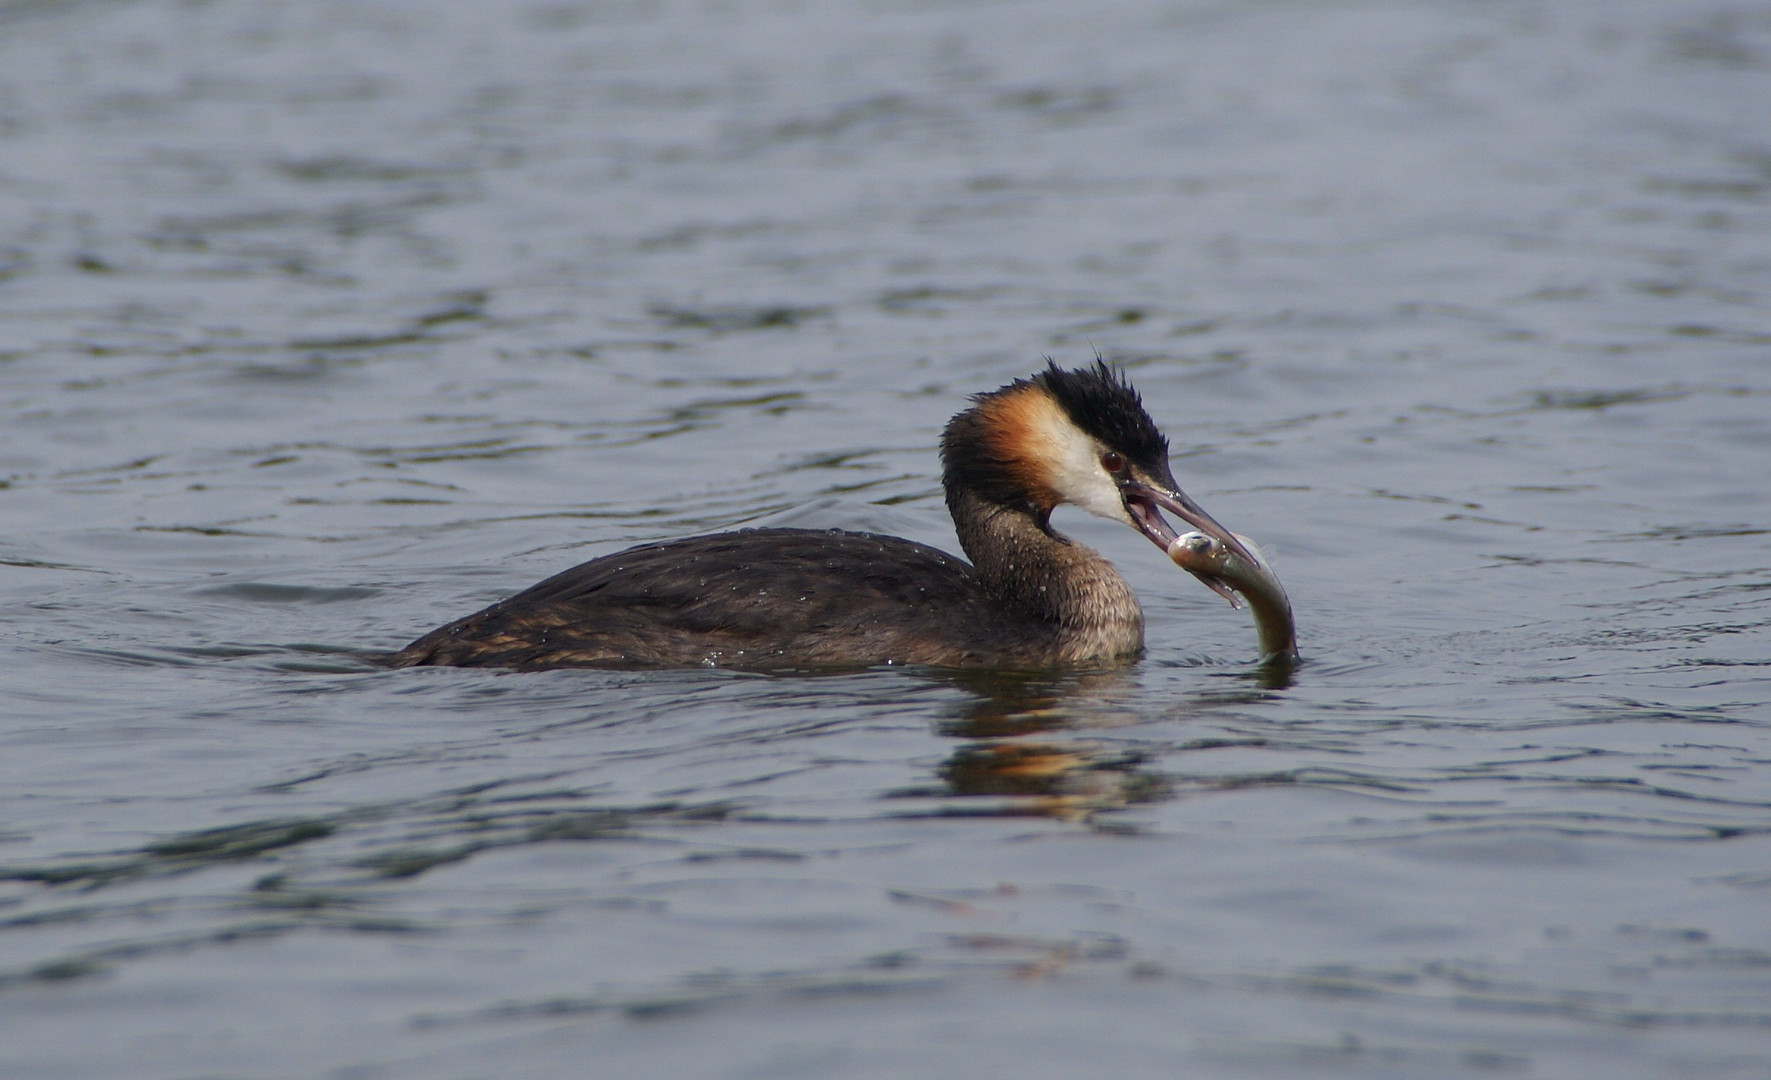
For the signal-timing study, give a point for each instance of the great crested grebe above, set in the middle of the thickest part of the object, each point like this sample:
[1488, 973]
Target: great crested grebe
[796, 598]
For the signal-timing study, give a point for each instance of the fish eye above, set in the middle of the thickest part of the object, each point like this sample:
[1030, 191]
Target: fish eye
[1112, 462]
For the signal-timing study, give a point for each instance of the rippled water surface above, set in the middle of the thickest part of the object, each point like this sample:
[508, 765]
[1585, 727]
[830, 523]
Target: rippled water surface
[321, 324]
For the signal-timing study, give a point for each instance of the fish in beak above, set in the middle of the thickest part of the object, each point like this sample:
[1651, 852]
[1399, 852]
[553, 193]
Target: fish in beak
[1224, 562]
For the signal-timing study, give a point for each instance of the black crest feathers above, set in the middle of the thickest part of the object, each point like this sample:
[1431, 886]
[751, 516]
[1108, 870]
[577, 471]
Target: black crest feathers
[1102, 403]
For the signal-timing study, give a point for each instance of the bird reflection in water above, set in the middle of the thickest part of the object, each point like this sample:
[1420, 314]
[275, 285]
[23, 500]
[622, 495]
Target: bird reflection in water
[1023, 752]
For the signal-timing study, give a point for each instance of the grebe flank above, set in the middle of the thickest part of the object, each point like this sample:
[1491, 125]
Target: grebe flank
[798, 598]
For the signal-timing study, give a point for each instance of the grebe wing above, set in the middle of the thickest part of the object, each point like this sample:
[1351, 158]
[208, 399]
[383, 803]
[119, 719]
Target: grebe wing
[763, 571]
[750, 598]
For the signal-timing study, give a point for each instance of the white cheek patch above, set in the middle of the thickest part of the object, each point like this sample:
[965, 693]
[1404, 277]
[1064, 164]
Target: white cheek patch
[1072, 460]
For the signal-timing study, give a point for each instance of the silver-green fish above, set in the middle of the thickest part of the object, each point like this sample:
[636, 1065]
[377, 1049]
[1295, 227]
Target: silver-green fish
[1237, 578]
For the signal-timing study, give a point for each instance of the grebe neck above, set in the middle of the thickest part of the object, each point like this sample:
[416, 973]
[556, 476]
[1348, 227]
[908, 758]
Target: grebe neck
[1036, 571]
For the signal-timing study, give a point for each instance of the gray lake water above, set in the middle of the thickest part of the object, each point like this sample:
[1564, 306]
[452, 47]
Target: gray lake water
[324, 323]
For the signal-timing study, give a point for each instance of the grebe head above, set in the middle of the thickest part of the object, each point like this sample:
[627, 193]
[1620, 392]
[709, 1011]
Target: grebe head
[1080, 437]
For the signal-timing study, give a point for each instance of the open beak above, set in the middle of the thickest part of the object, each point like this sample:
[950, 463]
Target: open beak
[1145, 504]
[1220, 560]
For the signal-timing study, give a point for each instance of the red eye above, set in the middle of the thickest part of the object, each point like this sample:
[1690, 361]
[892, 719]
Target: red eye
[1112, 462]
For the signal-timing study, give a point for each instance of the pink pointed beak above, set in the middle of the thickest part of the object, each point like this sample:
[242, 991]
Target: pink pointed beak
[1145, 503]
